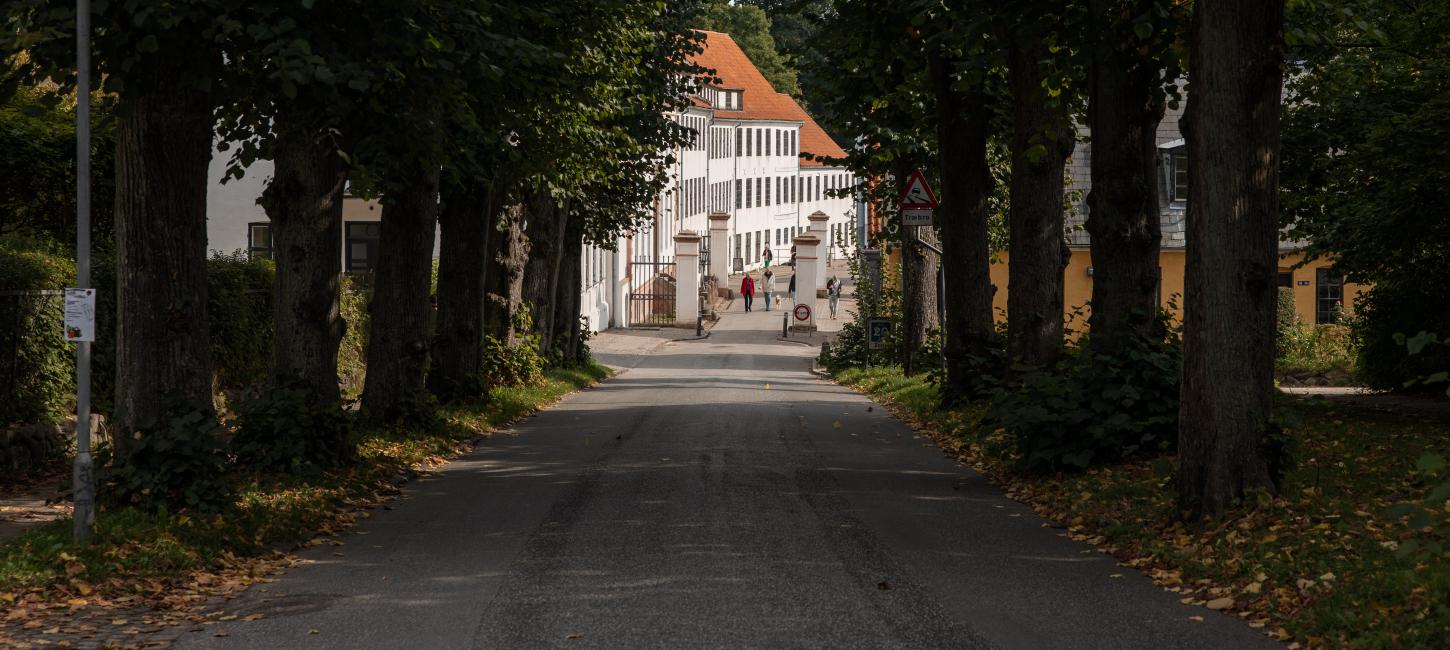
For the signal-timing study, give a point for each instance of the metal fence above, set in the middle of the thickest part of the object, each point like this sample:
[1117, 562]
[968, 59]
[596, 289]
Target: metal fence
[652, 294]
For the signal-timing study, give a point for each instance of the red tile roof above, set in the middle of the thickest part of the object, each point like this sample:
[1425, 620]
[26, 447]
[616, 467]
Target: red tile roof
[760, 101]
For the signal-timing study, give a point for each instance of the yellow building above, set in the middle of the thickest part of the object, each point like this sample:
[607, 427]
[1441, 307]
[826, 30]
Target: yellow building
[1319, 293]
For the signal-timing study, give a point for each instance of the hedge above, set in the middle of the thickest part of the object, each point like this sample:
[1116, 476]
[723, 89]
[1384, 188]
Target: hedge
[37, 366]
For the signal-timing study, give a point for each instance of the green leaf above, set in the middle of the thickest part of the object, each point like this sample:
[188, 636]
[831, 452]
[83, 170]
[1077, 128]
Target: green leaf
[1430, 463]
[1417, 343]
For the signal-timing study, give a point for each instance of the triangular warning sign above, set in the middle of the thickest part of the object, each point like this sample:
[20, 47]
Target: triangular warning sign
[917, 195]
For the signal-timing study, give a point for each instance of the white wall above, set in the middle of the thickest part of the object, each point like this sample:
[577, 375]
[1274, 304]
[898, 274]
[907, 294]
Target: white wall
[232, 205]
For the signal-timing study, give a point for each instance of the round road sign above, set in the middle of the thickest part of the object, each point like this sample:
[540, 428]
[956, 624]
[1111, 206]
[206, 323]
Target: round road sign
[802, 312]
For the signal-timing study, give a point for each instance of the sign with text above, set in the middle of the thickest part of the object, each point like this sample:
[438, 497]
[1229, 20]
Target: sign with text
[80, 315]
[917, 217]
[876, 331]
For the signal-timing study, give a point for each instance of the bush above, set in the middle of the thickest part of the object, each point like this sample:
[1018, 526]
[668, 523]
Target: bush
[352, 354]
[1401, 307]
[1091, 409]
[291, 430]
[178, 462]
[239, 313]
[520, 365]
[37, 366]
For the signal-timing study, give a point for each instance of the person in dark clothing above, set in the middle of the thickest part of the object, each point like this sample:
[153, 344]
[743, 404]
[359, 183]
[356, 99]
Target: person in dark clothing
[791, 289]
[747, 289]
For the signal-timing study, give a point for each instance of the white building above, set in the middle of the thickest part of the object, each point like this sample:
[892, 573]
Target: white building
[746, 161]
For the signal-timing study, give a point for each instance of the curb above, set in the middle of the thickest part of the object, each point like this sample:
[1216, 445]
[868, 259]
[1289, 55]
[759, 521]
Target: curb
[786, 340]
[692, 338]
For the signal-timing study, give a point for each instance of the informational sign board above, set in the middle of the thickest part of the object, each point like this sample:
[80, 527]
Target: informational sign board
[80, 315]
[802, 312]
[739, 265]
[876, 331]
[917, 217]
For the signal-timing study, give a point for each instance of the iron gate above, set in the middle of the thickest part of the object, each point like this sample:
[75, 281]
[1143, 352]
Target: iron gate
[651, 294]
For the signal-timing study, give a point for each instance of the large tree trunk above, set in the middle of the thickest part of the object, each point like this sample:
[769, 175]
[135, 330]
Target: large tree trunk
[962, 127]
[918, 289]
[565, 321]
[1125, 104]
[400, 310]
[304, 203]
[457, 368]
[545, 229]
[507, 254]
[1232, 127]
[1034, 275]
[163, 358]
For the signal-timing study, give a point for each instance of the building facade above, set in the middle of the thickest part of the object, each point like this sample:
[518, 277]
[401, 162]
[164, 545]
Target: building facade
[753, 157]
[1320, 294]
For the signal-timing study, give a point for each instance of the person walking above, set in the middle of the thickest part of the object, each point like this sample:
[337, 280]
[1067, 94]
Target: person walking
[767, 255]
[791, 289]
[747, 289]
[833, 293]
[767, 286]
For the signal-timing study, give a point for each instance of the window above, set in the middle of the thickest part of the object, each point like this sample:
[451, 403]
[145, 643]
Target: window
[737, 244]
[738, 135]
[362, 246]
[758, 190]
[1180, 177]
[1328, 296]
[749, 147]
[767, 190]
[779, 142]
[793, 150]
[259, 240]
[739, 191]
[748, 249]
[760, 142]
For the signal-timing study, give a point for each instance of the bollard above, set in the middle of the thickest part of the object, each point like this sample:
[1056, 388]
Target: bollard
[785, 325]
[699, 326]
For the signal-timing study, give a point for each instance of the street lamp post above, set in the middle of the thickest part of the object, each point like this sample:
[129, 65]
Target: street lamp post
[84, 476]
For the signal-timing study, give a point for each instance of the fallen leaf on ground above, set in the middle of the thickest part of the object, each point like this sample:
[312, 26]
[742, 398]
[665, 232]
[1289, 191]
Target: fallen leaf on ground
[1219, 604]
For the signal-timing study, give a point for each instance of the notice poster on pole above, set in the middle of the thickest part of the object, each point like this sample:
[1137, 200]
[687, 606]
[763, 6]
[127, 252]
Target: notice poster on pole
[80, 315]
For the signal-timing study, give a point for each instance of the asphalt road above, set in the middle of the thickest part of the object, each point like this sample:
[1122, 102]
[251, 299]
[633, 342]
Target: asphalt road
[714, 495]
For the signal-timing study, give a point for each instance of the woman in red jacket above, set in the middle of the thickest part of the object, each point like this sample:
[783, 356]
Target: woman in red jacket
[747, 289]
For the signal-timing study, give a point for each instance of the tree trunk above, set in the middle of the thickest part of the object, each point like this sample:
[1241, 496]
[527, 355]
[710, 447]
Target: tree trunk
[456, 371]
[163, 357]
[1125, 104]
[507, 254]
[400, 310]
[1034, 272]
[918, 289]
[962, 126]
[565, 320]
[304, 203]
[545, 229]
[1232, 127]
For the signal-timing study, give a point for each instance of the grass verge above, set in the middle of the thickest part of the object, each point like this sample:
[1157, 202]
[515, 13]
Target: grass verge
[176, 561]
[1323, 564]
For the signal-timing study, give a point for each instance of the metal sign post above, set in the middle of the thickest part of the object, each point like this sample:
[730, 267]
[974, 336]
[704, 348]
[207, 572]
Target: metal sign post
[83, 479]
